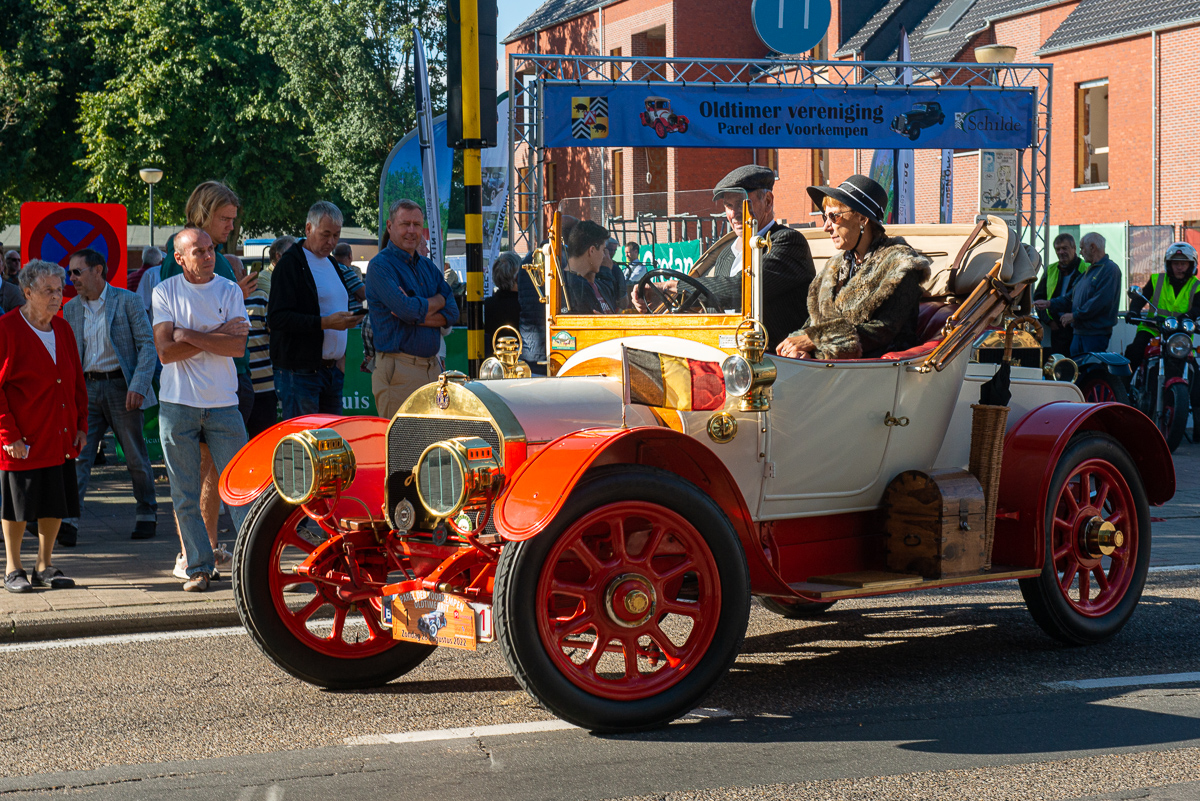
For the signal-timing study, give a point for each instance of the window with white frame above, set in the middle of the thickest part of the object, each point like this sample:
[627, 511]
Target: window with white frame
[1091, 133]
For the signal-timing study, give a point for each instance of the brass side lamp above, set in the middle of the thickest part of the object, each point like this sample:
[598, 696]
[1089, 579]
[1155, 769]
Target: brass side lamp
[750, 373]
[507, 361]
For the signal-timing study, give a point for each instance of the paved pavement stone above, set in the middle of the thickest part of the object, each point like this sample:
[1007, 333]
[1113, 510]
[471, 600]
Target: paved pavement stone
[125, 585]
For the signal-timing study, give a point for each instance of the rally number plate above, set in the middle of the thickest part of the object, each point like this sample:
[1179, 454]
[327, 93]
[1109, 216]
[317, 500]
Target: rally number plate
[433, 618]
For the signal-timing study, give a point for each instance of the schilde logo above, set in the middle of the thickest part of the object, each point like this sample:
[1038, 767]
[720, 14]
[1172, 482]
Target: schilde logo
[984, 119]
[589, 117]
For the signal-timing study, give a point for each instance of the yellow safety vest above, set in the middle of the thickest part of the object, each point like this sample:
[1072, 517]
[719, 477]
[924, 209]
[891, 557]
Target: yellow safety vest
[1052, 275]
[1168, 301]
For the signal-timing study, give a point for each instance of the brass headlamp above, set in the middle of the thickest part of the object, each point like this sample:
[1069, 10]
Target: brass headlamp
[456, 474]
[750, 373]
[507, 361]
[312, 464]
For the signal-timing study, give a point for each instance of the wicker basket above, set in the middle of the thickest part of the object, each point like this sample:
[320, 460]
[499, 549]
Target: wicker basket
[987, 452]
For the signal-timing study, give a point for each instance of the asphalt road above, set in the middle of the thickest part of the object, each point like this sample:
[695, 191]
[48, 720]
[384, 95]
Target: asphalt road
[938, 695]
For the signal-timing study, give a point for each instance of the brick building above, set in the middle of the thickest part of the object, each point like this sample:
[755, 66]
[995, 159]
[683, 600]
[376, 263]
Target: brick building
[1126, 77]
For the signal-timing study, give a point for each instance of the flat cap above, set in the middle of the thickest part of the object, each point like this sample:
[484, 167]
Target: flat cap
[748, 178]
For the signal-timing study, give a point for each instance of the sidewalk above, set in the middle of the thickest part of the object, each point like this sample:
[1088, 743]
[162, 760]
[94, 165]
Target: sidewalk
[122, 585]
[126, 585]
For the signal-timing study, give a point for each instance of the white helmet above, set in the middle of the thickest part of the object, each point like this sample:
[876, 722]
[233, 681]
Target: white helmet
[1181, 251]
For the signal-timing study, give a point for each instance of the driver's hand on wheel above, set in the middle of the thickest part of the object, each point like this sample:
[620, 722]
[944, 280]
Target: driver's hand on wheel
[668, 288]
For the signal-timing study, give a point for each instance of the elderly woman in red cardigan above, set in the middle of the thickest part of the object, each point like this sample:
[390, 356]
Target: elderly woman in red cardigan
[43, 424]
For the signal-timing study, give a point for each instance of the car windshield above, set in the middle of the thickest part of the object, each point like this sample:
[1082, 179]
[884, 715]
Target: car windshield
[680, 241]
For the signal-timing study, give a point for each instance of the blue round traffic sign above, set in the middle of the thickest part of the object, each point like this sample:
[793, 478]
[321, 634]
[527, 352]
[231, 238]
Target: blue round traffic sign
[791, 27]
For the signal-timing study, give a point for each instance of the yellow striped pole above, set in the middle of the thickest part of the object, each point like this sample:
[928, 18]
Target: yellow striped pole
[468, 14]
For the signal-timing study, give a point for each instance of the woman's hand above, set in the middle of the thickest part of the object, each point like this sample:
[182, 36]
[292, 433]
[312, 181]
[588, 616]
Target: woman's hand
[80, 440]
[797, 347]
[17, 450]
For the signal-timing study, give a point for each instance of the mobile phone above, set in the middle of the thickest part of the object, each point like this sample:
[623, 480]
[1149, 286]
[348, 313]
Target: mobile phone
[360, 310]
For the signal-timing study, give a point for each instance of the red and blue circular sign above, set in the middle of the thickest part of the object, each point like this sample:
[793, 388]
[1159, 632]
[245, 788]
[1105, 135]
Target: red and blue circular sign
[54, 231]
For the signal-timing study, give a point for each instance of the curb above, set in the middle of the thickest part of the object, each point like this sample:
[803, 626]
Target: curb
[118, 620]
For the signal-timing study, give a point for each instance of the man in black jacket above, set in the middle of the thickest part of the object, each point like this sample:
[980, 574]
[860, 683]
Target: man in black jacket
[1058, 281]
[308, 319]
[787, 268]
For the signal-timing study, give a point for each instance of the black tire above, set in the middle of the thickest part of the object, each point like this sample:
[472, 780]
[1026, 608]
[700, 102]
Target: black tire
[516, 594]
[1057, 616]
[1099, 386]
[1176, 404]
[914, 134]
[795, 610]
[252, 592]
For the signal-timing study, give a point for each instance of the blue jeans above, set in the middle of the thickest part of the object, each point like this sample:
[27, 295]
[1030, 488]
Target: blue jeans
[309, 391]
[106, 409]
[180, 427]
[1089, 343]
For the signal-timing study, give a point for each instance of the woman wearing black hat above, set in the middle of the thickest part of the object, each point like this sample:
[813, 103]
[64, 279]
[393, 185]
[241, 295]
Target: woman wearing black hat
[864, 303]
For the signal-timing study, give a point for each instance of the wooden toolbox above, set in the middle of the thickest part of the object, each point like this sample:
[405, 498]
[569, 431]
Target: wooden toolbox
[935, 524]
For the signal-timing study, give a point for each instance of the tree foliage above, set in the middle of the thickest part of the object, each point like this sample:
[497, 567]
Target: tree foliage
[287, 101]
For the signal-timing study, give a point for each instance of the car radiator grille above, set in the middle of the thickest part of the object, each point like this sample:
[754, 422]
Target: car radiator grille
[408, 437]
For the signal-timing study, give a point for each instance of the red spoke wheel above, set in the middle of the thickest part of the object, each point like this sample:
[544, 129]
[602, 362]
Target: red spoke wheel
[795, 610]
[303, 624]
[1097, 535]
[1100, 386]
[639, 595]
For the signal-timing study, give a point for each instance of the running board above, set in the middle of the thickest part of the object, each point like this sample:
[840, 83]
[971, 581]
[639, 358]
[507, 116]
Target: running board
[879, 582]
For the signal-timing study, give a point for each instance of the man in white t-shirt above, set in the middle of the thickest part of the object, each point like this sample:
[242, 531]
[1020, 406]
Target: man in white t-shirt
[308, 317]
[199, 326]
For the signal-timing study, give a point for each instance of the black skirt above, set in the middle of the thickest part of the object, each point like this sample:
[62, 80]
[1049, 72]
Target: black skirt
[45, 492]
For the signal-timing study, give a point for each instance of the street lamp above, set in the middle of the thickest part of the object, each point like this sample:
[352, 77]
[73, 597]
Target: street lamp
[151, 175]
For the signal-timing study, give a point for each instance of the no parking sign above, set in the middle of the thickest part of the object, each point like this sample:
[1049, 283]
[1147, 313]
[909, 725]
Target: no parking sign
[53, 231]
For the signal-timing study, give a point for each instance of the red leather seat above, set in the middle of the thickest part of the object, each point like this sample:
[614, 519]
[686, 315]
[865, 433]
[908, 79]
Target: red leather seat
[931, 317]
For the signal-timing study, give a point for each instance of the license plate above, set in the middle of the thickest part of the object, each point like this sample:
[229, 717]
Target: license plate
[434, 618]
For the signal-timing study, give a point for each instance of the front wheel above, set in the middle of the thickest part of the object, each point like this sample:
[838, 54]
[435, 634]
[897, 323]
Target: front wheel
[629, 607]
[1173, 422]
[1101, 386]
[301, 624]
[660, 129]
[1092, 576]
[682, 126]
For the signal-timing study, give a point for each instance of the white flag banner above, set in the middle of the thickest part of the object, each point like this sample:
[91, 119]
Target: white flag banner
[433, 206]
[905, 171]
[495, 195]
[947, 183]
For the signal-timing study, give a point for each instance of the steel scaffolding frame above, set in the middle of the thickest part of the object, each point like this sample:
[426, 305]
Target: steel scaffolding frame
[530, 72]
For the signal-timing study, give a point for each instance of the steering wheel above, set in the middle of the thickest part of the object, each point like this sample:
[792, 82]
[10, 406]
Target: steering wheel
[682, 302]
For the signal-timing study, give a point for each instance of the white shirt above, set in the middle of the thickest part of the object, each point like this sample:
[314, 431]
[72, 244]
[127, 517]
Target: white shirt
[99, 356]
[47, 337]
[206, 380]
[331, 297]
[735, 269]
[150, 279]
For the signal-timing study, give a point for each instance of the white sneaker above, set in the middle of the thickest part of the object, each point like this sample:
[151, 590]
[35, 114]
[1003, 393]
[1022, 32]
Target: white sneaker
[222, 558]
[180, 571]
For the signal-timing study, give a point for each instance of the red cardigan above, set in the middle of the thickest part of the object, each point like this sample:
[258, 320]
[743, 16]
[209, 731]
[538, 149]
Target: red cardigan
[41, 401]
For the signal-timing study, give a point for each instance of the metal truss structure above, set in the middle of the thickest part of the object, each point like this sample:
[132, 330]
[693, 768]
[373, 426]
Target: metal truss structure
[530, 72]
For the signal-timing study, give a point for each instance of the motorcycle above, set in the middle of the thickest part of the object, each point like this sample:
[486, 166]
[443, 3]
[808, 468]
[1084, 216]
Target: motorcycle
[1160, 385]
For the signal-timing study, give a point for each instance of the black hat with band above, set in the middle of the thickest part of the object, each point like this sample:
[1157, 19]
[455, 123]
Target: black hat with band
[857, 193]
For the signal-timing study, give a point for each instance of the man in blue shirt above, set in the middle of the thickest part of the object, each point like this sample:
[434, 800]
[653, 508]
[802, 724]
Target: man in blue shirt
[409, 302]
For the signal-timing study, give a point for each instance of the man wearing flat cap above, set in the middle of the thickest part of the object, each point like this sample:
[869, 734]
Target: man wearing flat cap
[787, 267]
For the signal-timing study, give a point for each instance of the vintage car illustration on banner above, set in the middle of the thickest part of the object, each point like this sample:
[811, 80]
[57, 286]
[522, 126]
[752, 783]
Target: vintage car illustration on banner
[921, 116]
[615, 519]
[658, 115]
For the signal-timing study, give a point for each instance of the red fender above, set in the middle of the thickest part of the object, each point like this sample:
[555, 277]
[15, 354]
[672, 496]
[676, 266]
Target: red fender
[1031, 452]
[540, 487]
[249, 473]
[1176, 380]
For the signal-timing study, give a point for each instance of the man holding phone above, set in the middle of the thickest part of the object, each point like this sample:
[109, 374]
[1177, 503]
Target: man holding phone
[307, 316]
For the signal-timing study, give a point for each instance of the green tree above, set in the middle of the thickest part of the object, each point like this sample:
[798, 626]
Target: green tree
[44, 65]
[188, 90]
[349, 68]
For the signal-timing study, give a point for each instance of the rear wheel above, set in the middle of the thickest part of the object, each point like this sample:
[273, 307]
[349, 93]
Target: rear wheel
[626, 610]
[1097, 532]
[303, 625]
[1101, 386]
[795, 610]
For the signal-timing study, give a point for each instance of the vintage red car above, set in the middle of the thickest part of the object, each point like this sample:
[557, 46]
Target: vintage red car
[659, 116]
[612, 548]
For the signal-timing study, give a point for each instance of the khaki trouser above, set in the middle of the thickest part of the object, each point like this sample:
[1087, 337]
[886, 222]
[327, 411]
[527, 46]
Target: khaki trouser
[398, 375]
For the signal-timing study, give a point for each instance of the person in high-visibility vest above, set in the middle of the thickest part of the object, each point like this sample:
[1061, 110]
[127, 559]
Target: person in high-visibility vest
[1174, 291]
[1058, 281]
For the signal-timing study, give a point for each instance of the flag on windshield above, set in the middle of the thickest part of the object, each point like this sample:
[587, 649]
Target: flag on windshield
[672, 382]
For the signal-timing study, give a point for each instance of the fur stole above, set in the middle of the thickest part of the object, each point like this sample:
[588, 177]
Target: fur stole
[839, 303]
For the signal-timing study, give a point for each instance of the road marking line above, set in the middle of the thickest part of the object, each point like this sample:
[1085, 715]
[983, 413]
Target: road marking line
[1164, 568]
[121, 639]
[1125, 681]
[458, 734]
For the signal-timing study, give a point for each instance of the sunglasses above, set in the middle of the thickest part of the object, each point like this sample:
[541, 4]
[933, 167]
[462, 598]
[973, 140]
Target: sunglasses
[833, 216]
[75, 273]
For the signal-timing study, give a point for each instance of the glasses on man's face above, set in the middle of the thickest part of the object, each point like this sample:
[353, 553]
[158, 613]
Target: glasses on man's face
[75, 273]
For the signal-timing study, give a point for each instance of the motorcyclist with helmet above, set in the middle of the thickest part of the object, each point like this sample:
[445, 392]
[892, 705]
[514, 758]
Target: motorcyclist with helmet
[1174, 291]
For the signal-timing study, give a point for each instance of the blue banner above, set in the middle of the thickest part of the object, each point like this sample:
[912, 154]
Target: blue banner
[601, 114]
